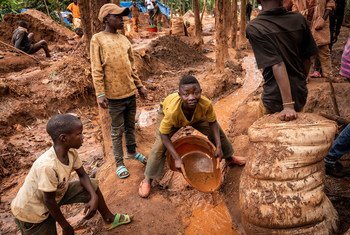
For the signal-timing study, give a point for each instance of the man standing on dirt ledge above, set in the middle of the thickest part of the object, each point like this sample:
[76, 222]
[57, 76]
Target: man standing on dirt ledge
[283, 47]
[116, 82]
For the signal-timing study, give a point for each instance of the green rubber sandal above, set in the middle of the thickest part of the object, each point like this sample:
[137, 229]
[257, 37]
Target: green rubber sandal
[117, 222]
[121, 170]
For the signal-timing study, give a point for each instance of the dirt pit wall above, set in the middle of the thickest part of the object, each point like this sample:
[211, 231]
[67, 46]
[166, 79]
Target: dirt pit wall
[41, 25]
[36, 93]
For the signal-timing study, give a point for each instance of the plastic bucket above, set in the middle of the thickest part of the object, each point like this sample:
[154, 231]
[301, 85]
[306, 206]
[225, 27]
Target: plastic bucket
[200, 167]
[154, 30]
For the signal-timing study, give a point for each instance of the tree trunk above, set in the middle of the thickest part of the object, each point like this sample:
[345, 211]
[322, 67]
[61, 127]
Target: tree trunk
[89, 10]
[204, 10]
[198, 28]
[228, 24]
[243, 20]
[234, 24]
[220, 35]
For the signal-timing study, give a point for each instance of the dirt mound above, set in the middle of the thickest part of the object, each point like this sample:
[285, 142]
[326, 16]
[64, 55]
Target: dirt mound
[11, 159]
[36, 93]
[13, 62]
[41, 25]
[174, 52]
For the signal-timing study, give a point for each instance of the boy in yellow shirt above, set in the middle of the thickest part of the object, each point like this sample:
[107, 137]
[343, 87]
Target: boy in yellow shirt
[36, 206]
[185, 108]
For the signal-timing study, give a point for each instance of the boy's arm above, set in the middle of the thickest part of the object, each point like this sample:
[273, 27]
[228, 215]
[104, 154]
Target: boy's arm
[214, 127]
[137, 81]
[55, 212]
[91, 206]
[170, 147]
[97, 73]
[280, 73]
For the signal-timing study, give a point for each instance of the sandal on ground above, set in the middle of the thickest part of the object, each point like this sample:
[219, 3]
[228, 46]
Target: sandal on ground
[144, 189]
[122, 172]
[235, 160]
[117, 222]
[141, 158]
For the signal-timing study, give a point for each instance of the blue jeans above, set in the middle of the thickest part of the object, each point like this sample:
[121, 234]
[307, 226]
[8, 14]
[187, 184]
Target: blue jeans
[341, 146]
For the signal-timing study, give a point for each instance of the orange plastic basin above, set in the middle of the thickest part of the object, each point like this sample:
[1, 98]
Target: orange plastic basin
[200, 165]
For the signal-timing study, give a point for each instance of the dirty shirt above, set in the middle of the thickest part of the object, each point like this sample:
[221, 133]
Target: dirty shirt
[345, 61]
[47, 174]
[280, 36]
[175, 118]
[20, 39]
[74, 8]
[112, 62]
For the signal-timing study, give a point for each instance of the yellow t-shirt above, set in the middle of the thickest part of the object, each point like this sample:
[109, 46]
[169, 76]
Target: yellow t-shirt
[74, 9]
[175, 118]
[47, 174]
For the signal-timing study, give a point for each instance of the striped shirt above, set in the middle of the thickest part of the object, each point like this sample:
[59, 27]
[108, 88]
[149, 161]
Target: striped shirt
[345, 61]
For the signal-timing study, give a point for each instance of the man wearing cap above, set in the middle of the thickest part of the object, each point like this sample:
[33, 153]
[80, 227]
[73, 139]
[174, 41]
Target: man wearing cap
[116, 82]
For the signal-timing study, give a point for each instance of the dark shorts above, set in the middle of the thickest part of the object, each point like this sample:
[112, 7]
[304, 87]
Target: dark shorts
[76, 193]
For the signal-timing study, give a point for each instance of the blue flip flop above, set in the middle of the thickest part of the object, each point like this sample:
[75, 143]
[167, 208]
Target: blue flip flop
[121, 170]
[141, 158]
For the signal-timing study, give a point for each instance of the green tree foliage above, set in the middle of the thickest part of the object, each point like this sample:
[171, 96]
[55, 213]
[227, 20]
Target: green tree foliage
[14, 6]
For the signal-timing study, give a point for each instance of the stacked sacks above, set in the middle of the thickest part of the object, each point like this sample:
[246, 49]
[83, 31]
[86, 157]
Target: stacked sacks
[177, 26]
[282, 185]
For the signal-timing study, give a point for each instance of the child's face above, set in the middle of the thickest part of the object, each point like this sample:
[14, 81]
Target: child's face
[75, 139]
[190, 95]
[115, 21]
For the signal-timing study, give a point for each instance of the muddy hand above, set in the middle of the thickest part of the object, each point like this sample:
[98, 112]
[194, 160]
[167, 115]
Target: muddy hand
[102, 102]
[143, 92]
[288, 114]
[178, 164]
[90, 208]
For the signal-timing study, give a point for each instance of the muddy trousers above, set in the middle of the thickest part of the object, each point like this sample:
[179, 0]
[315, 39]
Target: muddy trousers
[76, 193]
[156, 158]
[122, 113]
[324, 55]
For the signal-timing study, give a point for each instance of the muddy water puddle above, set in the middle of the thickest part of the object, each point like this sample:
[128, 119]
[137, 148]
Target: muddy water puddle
[211, 219]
